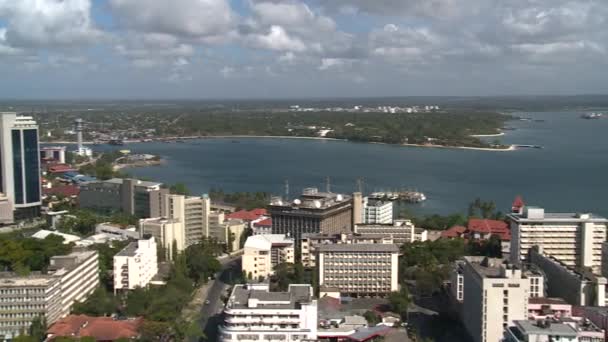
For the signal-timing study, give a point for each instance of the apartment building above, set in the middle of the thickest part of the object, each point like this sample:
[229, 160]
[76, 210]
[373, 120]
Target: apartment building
[495, 294]
[531, 272]
[310, 242]
[194, 212]
[166, 232]
[377, 211]
[225, 231]
[359, 269]
[312, 212]
[263, 252]
[254, 314]
[574, 239]
[71, 278]
[401, 231]
[577, 286]
[135, 265]
[135, 197]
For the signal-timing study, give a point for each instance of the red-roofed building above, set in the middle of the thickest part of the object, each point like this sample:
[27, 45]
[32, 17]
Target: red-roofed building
[482, 229]
[453, 232]
[518, 205]
[61, 168]
[104, 329]
[247, 215]
[62, 190]
[263, 226]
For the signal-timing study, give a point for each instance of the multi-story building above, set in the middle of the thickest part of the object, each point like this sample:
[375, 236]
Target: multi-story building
[166, 232]
[227, 232]
[574, 239]
[254, 314]
[6, 210]
[554, 330]
[117, 232]
[53, 153]
[401, 231]
[577, 286]
[313, 212]
[20, 164]
[194, 212]
[495, 294]
[310, 242]
[71, 278]
[359, 269]
[263, 252]
[135, 265]
[536, 278]
[135, 197]
[377, 211]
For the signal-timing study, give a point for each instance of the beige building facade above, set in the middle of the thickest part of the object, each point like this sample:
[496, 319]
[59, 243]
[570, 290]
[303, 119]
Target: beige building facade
[166, 232]
[194, 212]
[264, 252]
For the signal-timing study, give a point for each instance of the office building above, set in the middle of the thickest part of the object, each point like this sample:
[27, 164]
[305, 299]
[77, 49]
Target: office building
[6, 210]
[131, 196]
[262, 227]
[554, 330]
[377, 211]
[194, 212]
[313, 212]
[401, 231]
[576, 286]
[53, 154]
[358, 215]
[254, 314]
[264, 252]
[310, 243]
[167, 233]
[359, 269]
[71, 278]
[495, 294]
[135, 265]
[20, 164]
[574, 239]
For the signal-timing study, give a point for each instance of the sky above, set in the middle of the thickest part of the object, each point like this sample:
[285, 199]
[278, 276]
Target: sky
[160, 49]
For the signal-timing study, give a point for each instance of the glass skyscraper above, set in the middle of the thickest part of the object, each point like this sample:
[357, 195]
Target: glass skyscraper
[20, 164]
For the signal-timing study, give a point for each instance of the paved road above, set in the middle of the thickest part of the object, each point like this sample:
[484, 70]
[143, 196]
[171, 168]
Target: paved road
[211, 313]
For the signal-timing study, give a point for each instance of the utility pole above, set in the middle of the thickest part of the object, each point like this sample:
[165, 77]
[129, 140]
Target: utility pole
[327, 184]
[360, 184]
[286, 189]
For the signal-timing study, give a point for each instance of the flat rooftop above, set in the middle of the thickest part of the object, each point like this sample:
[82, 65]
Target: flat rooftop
[129, 250]
[137, 182]
[11, 279]
[534, 328]
[312, 199]
[536, 214]
[360, 247]
[243, 296]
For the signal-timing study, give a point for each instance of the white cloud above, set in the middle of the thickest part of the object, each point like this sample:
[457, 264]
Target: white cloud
[276, 39]
[197, 19]
[48, 23]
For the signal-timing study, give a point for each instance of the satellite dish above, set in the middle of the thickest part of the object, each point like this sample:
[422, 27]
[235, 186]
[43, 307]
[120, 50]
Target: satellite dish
[297, 201]
[339, 198]
[317, 204]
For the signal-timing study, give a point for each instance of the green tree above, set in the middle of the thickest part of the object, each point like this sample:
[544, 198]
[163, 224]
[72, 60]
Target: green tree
[179, 189]
[201, 263]
[371, 318]
[38, 328]
[99, 303]
[399, 302]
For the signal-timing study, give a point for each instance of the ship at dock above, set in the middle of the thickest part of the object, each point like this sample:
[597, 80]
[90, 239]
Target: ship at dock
[592, 116]
[399, 196]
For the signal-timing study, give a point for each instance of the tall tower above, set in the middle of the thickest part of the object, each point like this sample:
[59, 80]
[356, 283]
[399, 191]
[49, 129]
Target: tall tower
[79, 127]
[357, 208]
[20, 164]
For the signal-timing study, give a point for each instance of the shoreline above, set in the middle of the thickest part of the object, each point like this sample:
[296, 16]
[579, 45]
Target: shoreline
[171, 139]
[487, 135]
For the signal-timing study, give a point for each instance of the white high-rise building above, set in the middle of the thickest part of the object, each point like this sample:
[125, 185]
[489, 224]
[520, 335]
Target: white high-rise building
[377, 211]
[193, 211]
[263, 252]
[20, 164]
[400, 231]
[135, 265]
[71, 278]
[573, 239]
[254, 314]
[495, 294]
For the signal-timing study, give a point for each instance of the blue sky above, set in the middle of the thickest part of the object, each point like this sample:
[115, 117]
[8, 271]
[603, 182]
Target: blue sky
[298, 48]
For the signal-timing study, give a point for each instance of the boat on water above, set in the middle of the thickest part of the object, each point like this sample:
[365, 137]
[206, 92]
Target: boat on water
[116, 142]
[592, 116]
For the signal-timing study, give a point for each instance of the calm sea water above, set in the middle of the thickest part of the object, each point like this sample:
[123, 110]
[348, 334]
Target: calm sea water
[569, 174]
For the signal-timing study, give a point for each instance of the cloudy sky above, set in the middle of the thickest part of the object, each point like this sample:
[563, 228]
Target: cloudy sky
[301, 48]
